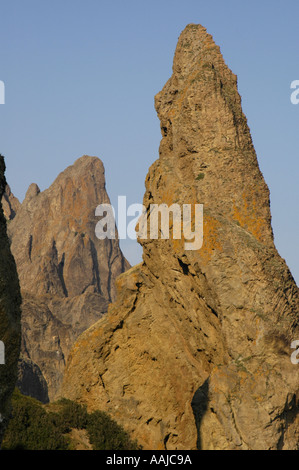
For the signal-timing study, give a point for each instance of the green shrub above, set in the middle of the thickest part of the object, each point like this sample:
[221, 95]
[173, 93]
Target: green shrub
[71, 416]
[31, 428]
[35, 426]
[105, 434]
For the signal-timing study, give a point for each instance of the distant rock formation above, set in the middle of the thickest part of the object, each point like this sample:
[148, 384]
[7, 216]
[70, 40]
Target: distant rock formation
[195, 352]
[32, 381]
[67, 275]
[10, 204]
[10, 317]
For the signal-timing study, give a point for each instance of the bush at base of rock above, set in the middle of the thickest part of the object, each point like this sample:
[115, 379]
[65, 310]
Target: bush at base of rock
[35, 426]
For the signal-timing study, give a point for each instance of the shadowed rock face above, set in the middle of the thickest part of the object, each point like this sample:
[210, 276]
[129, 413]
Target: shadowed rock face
[66, 274]
[10, 316]
[195, 352]
[31, 380]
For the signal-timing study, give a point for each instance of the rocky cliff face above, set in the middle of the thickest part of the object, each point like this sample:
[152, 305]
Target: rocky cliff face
[10, 317]
[195, 352]
[66, 274]
[10, 204]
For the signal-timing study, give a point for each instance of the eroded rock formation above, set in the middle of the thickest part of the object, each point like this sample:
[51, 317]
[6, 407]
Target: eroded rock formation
[195, 352]
[10, 317]
[66, 274]
[10, 204]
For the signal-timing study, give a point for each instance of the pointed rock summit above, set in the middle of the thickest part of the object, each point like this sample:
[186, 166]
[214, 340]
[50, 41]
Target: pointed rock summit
[195, 352]
[67, 275]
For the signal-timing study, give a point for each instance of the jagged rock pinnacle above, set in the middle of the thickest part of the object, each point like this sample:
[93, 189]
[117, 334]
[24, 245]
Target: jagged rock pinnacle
[195, 352]
[67, 275]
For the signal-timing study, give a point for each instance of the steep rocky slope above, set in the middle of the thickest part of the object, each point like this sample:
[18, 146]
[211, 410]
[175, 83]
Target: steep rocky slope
[66, 274]
[195, 352]
[10, 316]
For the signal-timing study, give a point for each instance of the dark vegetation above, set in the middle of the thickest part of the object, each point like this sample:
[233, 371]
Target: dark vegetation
[200, 176]
[35, 426]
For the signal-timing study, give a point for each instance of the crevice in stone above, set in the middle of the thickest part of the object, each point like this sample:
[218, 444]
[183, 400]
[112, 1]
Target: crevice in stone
[60, 274]
[95, 265]
[109, 271]
[184, 267]
[30, 247]
[166, 438]
[199, 406]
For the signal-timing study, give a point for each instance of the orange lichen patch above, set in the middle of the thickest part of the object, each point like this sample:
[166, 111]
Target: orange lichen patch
[247, 215]
[210, 238]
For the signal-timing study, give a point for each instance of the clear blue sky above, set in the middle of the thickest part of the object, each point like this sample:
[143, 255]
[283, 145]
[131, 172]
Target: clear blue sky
[81, 77]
